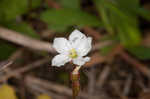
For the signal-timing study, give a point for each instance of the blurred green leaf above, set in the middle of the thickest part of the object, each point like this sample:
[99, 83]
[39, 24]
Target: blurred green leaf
[140, 52]
[107, 49]
[10, 9]
[35, 3]
[106, 19]
[70, 3]
[104, 12]
[134, 7]
[129, 34]
[23, 28]
[63, 18]
[128, 5]
[6, 50]
[109, 37]
[121, 21]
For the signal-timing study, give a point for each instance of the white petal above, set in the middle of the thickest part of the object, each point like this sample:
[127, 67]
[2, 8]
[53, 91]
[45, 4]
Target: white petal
[80, 42]
[61, 45]
[84, 46]
[90, 40]
[81, 61]
[75, 36]
[60, 60]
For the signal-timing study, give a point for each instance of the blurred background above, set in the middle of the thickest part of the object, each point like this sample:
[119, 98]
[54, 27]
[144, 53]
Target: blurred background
[120, 58]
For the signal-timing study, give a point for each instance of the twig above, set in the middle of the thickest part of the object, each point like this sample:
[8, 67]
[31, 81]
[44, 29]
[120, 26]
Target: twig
[17, 54]
[52, 86]
[91, 82]
[100, 45]
[17, 72]
[92, 32]
[48, 85]
[96, 58]
[127, 85]
[36, 89]
[5, 64]
[140, 80]
[103, 76]
[141, 67]
[25, 41]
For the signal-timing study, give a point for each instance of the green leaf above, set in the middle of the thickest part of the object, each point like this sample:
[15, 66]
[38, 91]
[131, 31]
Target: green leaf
[106, 20]
[70, 3]
[63, 18]
[109, 38]
[134, 7]
[104, 12]
[6, 50]
[10, 9]
[35, 3]
[107, 49]
[128, 5]
[121, 21]
[23, 28]
[129, 35]
[140, 52]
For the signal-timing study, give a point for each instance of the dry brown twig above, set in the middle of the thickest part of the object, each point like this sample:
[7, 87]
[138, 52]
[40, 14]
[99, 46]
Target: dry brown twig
[25, 41]
[92, 32]
[48, 85]
[18, 72]
[5, 64]
[127, 86]
[55, 87]
[91, 82]
[138, 65]
[17, 54]
[96, 58]
[103, 76]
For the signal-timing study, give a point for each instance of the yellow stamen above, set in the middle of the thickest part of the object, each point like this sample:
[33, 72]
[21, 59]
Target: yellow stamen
[73, 53]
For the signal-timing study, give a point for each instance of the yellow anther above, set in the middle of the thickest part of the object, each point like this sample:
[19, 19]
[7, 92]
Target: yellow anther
[73, 53]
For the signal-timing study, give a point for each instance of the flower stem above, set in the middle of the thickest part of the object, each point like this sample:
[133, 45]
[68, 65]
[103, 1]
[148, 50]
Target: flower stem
[76, 70]
[75, 78]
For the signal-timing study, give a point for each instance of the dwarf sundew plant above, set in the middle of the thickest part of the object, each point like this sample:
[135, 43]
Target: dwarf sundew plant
[74, 49]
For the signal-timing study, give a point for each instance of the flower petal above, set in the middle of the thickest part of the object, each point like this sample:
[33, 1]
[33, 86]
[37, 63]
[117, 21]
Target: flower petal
[80, 42]
[84, 46]
[90, 40]
[81, 61]
[60, 60]
[61, 45]
[75, 36]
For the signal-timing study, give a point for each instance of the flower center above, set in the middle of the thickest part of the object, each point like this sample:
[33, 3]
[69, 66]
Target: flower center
[73, 53]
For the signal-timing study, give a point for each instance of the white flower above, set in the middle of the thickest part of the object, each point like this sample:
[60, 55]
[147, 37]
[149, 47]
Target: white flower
[73, 49]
